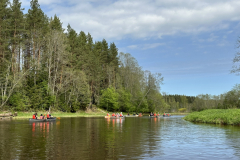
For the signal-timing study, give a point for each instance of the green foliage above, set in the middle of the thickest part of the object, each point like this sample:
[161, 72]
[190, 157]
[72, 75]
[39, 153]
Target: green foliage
[232, 98]
[182, 109]
[109, 99]
[218, 116]
[16, 102]
[124, 100]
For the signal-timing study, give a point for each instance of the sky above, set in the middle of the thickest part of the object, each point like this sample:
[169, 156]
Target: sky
[192, 43]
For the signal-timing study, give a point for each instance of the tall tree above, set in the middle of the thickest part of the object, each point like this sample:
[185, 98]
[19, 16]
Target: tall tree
[37, 24]
[4, 33]
[16, 32]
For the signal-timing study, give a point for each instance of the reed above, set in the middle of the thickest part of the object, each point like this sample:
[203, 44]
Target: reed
[217, 116]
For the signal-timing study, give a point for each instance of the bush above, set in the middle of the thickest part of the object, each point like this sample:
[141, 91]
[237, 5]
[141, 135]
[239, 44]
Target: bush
[182, 110]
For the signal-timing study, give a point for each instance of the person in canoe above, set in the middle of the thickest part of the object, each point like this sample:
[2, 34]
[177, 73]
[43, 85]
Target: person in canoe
[121, 115]
[41, 116]
[113, 114]
[158, 114]
[34, 116]
[164, 114]
[49, 116]
[108, 114]
[154, 114]
[151, 114]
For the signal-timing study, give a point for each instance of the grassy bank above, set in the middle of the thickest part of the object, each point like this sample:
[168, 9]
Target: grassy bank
[95, 113]
[177, 113]
[217, 116]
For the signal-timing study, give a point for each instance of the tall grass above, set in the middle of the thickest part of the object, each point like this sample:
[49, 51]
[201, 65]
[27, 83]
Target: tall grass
[217, 116]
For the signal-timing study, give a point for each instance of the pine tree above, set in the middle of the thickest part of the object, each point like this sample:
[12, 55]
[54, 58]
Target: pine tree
[37, 27]
[4, 33]
[16, 32]
[55, 24]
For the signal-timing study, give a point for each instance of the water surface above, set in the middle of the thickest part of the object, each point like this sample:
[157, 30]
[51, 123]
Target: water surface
[129, 138]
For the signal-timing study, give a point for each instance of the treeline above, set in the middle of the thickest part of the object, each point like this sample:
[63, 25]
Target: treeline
[43, 67]
[182, 103]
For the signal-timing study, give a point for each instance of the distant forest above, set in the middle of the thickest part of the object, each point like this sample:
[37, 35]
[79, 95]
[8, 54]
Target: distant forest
[43, 66]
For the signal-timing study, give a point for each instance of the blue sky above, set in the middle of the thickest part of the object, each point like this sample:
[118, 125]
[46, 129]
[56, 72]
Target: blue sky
[191, 43]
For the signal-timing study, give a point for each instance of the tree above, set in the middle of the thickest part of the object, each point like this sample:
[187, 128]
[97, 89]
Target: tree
[16, 33]
[232, 98]
[109, 99]
[4, 34]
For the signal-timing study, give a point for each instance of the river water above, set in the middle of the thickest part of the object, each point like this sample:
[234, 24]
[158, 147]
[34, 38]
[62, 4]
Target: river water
[129, 138]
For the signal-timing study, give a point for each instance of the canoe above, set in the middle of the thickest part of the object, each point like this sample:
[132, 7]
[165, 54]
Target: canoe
[42, 120]
[154, 116]
[131, 116]
[166, 115]
[113, 117]
[107, 116]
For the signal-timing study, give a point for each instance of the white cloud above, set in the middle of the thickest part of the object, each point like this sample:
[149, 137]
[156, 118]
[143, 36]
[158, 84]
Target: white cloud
[133, 46]
[146, 46]
[143, 19]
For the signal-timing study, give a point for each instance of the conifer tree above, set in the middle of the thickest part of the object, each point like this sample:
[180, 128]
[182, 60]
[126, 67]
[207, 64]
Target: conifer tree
[16, 32]
[4, 33]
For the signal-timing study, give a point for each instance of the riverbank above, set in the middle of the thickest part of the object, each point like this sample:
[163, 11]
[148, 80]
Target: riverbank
[217, 116]
[95, 113]
[177, 113]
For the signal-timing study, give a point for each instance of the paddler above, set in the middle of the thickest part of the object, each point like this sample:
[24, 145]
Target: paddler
[34, 116]
[48, 116]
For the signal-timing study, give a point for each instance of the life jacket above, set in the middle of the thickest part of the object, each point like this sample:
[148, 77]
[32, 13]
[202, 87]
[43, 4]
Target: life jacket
[41, 117]
[34, 117]
[48, 116]
[158, 114]
[164, 114]
[107, 114]
[154, 114]
[168, 114]
[120, 115]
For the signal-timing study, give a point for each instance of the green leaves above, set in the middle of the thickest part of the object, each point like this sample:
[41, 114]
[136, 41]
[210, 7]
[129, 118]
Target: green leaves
[109, 99]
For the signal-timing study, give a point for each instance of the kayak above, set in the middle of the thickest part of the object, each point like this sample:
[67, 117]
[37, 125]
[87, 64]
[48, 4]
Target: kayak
[42, 120]
[113, 117]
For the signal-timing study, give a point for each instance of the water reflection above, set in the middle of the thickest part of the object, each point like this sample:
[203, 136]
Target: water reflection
[42, 128]
[130, 138]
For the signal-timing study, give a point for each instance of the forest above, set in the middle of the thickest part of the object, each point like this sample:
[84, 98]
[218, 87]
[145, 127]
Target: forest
[44, 66]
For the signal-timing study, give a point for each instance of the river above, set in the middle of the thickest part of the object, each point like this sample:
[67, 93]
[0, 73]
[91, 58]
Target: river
[129, 138]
